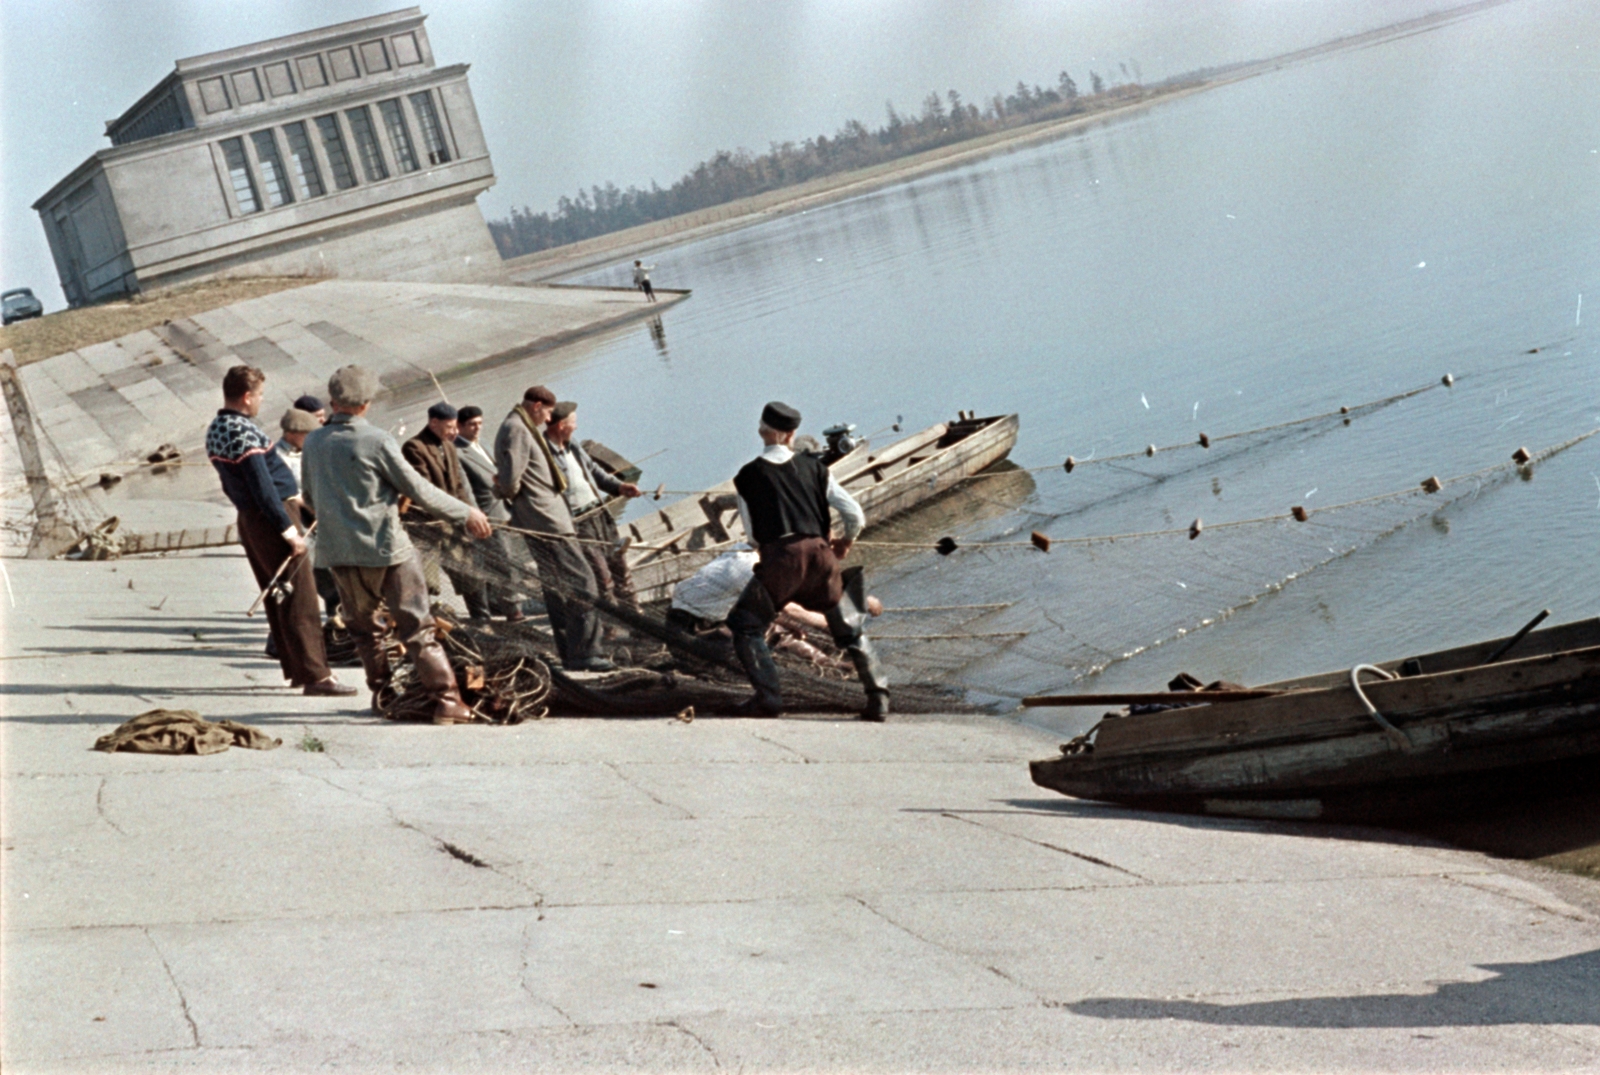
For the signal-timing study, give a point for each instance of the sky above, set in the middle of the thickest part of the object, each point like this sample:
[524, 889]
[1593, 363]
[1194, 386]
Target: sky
[573, 93]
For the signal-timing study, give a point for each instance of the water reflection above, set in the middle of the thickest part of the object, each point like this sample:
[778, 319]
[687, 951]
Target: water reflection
[658, 336]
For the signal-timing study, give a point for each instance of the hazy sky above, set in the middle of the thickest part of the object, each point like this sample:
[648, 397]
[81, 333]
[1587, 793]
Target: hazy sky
[573, 93]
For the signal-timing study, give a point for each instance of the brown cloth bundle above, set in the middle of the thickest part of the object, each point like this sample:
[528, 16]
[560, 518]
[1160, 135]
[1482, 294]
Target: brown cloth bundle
[182, 731]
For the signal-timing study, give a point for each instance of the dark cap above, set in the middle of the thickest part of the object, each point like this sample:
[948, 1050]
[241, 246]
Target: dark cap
[780, 416]
[309, 404]
[563, 410]
[468, 413]
[539, 394]
[442, 411]
[351, 386]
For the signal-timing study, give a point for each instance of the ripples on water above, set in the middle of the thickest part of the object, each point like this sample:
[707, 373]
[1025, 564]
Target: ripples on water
[1331, 233]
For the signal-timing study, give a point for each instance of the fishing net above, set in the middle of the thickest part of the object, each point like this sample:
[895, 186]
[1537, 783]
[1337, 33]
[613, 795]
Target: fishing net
[1112, 597]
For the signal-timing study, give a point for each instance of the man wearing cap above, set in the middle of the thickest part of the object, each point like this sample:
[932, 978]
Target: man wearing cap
[312, 406]
[433, 453]
[784, 501]
[478, 465]
[529, 478]
[257, 481]
[355, 475]
[587, 486]
[295, 424]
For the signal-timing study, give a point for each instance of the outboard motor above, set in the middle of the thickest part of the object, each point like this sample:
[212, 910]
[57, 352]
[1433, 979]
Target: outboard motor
[841, 442]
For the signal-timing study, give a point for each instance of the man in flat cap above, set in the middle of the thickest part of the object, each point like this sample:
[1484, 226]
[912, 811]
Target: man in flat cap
[433, 453]
[257, 481]
[495, 556]
[588, 484]
[296, 423]
[528, 476]
[355, 475]
[784, 500]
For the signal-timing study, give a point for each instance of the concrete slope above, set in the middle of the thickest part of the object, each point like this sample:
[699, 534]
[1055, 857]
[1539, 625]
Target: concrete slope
[724, 895]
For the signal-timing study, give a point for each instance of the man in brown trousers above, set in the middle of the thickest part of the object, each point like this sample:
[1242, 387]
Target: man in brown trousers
[355, 476]
[258, 482]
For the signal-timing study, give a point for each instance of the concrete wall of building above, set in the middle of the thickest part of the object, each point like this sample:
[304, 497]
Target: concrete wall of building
[86, 235]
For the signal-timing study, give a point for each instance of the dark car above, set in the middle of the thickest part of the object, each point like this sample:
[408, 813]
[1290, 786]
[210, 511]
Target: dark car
[18, 304]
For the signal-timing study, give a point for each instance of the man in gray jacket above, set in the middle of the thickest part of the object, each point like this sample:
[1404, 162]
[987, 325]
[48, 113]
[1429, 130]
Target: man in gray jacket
[495, 557]
[355, 476]
[527, 475]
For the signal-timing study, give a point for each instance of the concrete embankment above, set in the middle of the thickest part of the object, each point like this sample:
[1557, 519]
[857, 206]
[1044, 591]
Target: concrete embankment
[581, 894]
[103, 408]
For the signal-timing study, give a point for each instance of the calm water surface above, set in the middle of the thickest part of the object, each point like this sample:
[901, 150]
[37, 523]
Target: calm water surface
[1327, 234]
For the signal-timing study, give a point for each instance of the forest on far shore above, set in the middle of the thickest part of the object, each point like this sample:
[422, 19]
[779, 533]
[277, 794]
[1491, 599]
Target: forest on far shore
[738, 173]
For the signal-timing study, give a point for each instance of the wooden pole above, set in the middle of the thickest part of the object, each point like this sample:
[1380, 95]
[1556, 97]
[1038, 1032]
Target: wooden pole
[52, 535]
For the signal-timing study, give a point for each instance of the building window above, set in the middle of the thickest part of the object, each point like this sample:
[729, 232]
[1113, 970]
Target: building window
[344, 176]
[244, 189]
[432, 133]
[366, 143]
[394, 121]
[274, 181]
[303, 161]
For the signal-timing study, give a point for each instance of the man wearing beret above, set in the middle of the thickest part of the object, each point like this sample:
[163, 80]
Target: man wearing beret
[528, 476]
[433, 453]
[355, 475]
[312, 406]
[588, 484]
[784, 501]
[261, 486]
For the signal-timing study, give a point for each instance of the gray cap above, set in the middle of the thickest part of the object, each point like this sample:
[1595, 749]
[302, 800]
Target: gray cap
[351, 386]
[295, 420]
[562, 410]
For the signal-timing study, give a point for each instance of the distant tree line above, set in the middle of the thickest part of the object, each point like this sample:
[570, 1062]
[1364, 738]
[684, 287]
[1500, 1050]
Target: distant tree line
[738, 173]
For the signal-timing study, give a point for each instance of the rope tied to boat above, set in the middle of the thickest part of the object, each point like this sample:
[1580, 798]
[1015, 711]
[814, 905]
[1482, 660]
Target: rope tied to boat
[1398, 737]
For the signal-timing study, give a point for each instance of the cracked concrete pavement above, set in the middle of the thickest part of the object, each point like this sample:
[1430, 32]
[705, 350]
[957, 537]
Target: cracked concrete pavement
[627, 894]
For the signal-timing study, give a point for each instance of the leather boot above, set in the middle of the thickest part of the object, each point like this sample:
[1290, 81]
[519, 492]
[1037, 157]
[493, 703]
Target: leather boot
[375, 665]
[432, 669]
[748, 620]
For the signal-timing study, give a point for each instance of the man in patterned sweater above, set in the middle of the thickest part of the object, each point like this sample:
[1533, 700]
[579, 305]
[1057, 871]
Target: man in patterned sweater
[257, 481]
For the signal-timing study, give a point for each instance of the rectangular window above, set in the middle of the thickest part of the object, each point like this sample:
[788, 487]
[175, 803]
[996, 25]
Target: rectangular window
[432, 133]
[366, 143]
[274, 181]
[344, 176]
[394, 121]
[303, 161]
[244, 189]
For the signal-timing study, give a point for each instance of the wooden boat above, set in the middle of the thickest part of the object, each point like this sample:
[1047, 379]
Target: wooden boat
[1467, 726]
[681, 537]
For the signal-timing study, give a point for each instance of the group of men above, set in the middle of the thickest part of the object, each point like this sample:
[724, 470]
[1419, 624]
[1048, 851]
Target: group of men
[357, 489]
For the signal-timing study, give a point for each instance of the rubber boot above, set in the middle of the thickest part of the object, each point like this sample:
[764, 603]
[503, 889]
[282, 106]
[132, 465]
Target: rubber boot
[375, 665]
[748, 621]
[433, 672]
[847, 623]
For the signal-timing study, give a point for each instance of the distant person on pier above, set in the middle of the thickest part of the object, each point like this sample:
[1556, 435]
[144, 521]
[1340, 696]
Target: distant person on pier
[785, 500]
[258, 482]
[588, 484]
[641, 279]
[355, 475]
[478, 465]
[528, 477]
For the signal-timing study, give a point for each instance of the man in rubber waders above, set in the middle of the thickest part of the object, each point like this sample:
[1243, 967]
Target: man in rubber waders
[784, 500]
[355, 475]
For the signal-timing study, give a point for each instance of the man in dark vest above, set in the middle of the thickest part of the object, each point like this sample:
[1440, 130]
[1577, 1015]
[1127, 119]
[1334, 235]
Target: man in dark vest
[784, 500]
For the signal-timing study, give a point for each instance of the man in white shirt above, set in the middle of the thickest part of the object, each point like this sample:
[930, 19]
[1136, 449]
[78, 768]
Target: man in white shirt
[588, 484]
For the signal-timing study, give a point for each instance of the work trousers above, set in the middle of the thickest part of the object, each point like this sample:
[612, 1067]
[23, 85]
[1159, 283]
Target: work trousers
[296, 622]
[608, 562]
[569, 585]
[379, 600]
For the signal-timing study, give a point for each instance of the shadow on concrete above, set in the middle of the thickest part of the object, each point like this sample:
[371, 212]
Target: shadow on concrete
[1563, 991]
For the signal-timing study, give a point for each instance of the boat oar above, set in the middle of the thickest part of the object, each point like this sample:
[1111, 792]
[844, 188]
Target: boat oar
[1505, 647]
[1149, 698]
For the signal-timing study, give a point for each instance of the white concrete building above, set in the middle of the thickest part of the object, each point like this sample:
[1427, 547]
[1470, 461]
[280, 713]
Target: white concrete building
[342, 151]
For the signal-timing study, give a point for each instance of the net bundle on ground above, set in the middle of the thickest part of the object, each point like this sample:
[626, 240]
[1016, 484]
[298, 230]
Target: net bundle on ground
[662, 670]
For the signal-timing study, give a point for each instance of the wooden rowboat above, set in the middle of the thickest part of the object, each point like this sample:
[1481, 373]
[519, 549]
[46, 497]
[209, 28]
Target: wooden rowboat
[1467, 726]
[687, 534]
